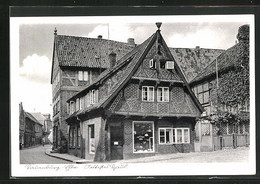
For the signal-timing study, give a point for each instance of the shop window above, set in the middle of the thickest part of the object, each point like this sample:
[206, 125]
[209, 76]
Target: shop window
[148, 93]
[83, 75]
[163, 94]
[91, 139]
[143, 137]
[174, 135]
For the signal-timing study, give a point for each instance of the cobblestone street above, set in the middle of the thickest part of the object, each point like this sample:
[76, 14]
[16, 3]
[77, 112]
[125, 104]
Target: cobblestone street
[37, 155]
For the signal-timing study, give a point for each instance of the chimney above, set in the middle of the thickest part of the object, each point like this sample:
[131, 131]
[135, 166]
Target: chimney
[99, 37]
[112, 59]
[131, 41]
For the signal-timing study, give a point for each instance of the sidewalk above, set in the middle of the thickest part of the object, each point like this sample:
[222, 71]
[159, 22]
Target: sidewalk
[67, 157]
[226, 155]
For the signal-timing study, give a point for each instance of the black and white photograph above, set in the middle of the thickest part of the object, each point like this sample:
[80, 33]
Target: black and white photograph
[132, 95]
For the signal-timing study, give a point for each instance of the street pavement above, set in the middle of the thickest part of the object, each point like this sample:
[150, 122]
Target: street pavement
[238, 155]
[37, 155]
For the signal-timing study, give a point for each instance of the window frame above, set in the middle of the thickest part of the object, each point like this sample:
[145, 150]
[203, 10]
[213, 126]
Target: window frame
[72, 107]
[173, 138]
[148, 94]
[93, 96]
[91, 128]
[202, 93]
[133, 138]
[83, 75]
[163, 94]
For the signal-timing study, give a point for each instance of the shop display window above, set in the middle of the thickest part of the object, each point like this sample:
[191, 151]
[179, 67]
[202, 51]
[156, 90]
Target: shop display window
[143, 134]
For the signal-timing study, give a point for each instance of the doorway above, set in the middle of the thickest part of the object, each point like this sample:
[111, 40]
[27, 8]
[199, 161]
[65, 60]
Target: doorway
[117, 141]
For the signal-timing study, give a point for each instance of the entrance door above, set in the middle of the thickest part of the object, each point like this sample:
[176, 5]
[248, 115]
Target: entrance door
[116, 137]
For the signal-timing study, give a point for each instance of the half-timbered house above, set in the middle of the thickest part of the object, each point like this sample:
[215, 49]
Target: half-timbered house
[223, 90]
[77, 61]
[141, 106]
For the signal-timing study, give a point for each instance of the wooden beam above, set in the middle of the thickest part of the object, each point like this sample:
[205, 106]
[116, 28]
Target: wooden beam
[157, 84]
[140, 83]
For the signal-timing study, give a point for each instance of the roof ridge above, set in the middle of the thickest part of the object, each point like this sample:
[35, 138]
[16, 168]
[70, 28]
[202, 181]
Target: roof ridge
[91, 38]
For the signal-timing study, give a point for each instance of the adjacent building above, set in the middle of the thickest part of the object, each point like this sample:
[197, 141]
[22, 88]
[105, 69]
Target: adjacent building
[223, 90]
[31, 132]
[46, 122]
[141, 106]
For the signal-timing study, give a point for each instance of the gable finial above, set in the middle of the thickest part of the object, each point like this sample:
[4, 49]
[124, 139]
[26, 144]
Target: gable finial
[55, 31]
[158, 24]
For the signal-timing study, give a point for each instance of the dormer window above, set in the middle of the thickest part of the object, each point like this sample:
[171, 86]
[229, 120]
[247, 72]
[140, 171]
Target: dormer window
[83, 75]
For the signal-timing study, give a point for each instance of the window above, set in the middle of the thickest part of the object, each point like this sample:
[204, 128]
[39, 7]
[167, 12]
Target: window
[81, 103]
[83, 75]
[68, 108]
[77, 104]
[143, 137]
[152, 64]
[148, 93]
[163, 94]
[174, 135]
[72, 107]
[93, 96]
[166, 135]
[162, 64]
[202, 92]
[91, 139]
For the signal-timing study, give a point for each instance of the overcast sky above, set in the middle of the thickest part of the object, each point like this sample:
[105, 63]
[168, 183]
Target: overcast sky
[36, 46]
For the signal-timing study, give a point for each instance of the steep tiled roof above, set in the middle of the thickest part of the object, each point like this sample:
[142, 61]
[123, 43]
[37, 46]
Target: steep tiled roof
[82, 51]
[194, 60]
[225, 60]
[38, 116]
[27, 114]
